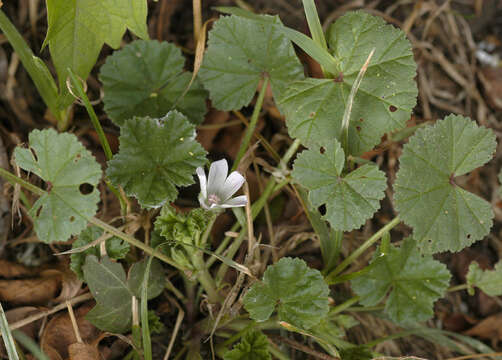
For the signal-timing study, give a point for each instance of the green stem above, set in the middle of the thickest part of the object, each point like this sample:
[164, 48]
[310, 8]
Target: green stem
[92, 114]
[101, 134]
[110, 229]
[252, 124]
[458, 287]
[364, 247]
[289, 154]
[345, 305]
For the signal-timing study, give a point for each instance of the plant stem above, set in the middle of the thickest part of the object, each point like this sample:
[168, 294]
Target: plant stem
[252, 124]
[92, 114]
[361, 249]
[458, 287]
[101, 135]
[343, 306]
[131, 240]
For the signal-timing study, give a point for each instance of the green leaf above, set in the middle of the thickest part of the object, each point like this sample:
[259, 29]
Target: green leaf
[253, 346]
[314, 107]
[65, 165]
[350, 199]
[489, 281]
[112, 319]
[156, 278]
[107, 283]
[155, 156]
[442, 214]
[79, 28]
[413, 282]
[299, 292]
[240, 52]
[116, 248]
[146, 78]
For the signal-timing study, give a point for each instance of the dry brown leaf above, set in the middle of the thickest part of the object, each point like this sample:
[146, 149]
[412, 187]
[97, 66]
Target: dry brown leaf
[488, 329]
[52, 353]
[491, 78]
[23, 312]
[13, 270]
[206, 135]
[81, 351]
[29, 291]
[59, 333]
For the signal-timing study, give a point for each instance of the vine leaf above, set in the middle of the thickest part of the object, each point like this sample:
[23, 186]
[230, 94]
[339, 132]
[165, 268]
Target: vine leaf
[113, 292]
[108, 285]
[314, 107]
[299, 292]
[414, 282]
[253, 346]
[155, 156]
[70, 171]
[240, 52]
[489, 281]
[350, 199]
[82, 27]
[442, 214]
[146, 78]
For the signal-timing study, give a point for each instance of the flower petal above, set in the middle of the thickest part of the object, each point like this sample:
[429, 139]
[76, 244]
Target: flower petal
[237, 201]
[202, 202]
[217, 175]
[232, 184]
[203, 181]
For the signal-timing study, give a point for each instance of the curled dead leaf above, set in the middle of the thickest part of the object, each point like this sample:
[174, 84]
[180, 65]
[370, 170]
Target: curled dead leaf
[488, 329]
[59, 333]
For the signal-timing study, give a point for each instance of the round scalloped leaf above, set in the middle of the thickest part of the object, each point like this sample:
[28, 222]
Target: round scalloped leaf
[489, 281]
[444, 217]
[413, 281]
[350, 199]
[240, 52]
[156, 156]
[146, 78]
[299, 292]
[314, 108]
[70, 171]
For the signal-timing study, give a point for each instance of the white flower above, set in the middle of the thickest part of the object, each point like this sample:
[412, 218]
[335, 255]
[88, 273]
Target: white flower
[216, 192]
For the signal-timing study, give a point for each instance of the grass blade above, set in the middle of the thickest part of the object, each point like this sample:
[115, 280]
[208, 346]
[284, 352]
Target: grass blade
[8, 340]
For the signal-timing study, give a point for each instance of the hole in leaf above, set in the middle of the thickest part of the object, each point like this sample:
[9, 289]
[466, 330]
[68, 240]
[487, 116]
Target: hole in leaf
[72, 218]
[358, 128]
[322, 210]
[77, 157]
[361, 120]
[468, 236]
[39, 210]
[86, 188]
[392, 108]
[322, 150]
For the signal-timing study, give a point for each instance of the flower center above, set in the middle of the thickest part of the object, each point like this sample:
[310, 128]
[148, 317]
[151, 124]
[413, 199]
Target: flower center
[213, 199]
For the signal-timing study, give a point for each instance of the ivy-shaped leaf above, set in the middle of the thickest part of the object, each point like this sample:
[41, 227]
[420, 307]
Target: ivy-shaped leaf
[414, 282]
[107, 283]
[242, 51]
[253, 346]
[489, 281]
[113, 292]
[78, 29]
[146, 78]
[314, 108]
[299, 293]
[115, 248]
[442, 214]
[155, 156]
[350, 199]
[70, 171]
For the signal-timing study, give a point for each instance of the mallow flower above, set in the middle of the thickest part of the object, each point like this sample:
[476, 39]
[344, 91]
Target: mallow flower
[216, 191]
